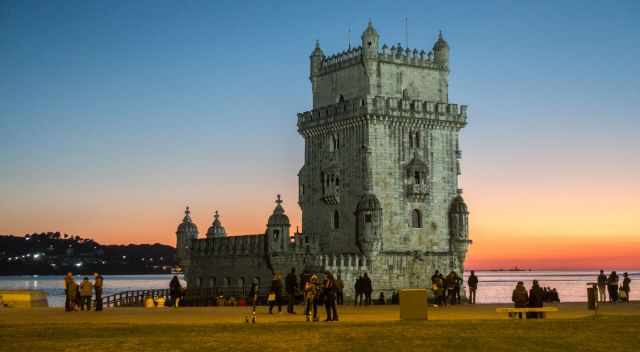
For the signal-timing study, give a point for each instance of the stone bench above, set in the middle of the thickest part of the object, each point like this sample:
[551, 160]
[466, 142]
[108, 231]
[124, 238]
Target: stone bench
[24, 298]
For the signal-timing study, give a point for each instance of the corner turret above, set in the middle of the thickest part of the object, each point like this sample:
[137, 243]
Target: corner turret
[278, 230]
[370, 41]
[186, 232]
[316, 58]
[441, 51]
[216, 229]
[459, 227]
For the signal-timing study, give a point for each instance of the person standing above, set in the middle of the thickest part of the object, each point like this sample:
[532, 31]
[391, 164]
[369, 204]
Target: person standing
[612, 283]
[86, 290]
[602, 285]
[175, 289]
[358, 290]
[520, 297]
[536, 299]
[291, 284]
[68, 293]
[311, 298]
[329, 292]
[253, 296]
[276, 291]
[472, 282]
[626, 286]
[367, 288]
[339, 290]
[98, 282]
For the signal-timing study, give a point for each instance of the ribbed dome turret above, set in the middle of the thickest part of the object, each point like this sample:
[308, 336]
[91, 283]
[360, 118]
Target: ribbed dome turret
[369, 31]
[317, 51]
[278, 217]
[458, 206]
[187, 226]
[440, 43]
[216, 229]
[368, 201]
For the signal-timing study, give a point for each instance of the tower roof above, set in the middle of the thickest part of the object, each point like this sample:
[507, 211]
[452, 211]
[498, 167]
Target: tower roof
[458, 206]
[216, 229]
[370, 31]
[278, 217]
[187, 224]
[440, 43]
[368, 201]
[317, 51]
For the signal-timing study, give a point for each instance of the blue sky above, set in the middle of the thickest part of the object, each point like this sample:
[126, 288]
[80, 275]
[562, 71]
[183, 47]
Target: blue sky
[112, 109]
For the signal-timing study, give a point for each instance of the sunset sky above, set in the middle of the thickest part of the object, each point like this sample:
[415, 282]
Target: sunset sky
[115, 115]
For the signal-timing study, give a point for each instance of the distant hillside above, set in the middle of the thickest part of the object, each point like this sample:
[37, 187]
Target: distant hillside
[52, 253]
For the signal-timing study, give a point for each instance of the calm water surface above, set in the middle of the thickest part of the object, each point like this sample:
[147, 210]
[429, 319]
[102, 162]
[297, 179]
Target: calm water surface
[494, 286]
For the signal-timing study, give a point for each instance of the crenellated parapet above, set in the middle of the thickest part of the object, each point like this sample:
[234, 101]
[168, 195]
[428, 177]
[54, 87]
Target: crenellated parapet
[400, 109]
[341, 60]
[229, 246]
[413, 57]
[342, 263]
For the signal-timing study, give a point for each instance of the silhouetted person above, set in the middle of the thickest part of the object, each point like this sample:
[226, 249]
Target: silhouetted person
[472, 282]
[329, 293]
[86, 290]
[602, 286]
[175, 289]
[520, 297]
[358, 291]
[626, 286]
[437, 286]
[311, 293]
[367, 288]
[381, 299]
[536, 299]
[291, 284]
[276, 289]
[339, 290]
[612, 283]
[98, 283]
[69, 292]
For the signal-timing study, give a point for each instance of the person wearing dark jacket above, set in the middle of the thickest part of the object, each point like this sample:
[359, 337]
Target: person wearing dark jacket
[520, 297]
[69, 292]
[358, 290]
[536, 299]
[291, 284]
[472, 282]
[276, 289]
[86, 289]
[98, 282]
[367, 289]
[602, 286]
[175, 289]
[329, 292]
[612, 283]
[626, 286]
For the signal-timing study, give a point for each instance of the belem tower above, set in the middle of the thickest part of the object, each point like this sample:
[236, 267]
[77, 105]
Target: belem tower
[379, 186]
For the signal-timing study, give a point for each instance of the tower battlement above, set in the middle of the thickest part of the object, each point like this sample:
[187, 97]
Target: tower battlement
[434, 112]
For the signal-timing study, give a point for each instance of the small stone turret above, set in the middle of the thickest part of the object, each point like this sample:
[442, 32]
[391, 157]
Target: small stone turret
[278, 230]
[459, 227]
[316, 58]
[441, 51]
[369, 224]
[216, 229]
[370, 41]
[186, 232]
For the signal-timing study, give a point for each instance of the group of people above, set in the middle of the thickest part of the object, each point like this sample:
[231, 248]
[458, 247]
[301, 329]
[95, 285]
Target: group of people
[446, 289]
[523, 299]
[363, 289]
[609, 284]
[78, 296]
[329, 292]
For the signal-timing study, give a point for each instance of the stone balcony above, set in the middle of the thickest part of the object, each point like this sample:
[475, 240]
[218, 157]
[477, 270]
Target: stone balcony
[417, 192]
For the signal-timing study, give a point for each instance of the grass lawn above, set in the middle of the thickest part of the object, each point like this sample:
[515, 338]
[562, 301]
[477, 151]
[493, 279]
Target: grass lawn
[464, 328]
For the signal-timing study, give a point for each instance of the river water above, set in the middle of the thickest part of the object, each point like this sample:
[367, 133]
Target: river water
[494, 286]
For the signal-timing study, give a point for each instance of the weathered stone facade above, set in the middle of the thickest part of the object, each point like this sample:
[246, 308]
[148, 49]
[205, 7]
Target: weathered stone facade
[379, 186]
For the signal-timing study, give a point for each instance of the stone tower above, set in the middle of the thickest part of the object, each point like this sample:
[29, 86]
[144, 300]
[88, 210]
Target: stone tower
[380, 176]
[278, 230]
[186, 232]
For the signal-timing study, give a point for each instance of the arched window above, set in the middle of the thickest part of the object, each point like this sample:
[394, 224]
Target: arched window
[199, 282]
[341, 99]
[417, 142]
[227, 282]
[212, 282]
[336, 220]
[416, 219]
[416, 177]
[322, 182]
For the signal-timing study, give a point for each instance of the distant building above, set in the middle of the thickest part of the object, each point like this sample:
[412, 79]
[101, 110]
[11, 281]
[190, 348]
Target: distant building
[378, 189]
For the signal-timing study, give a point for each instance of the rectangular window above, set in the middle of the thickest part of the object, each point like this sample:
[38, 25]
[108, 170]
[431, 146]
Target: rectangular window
[367, 218]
